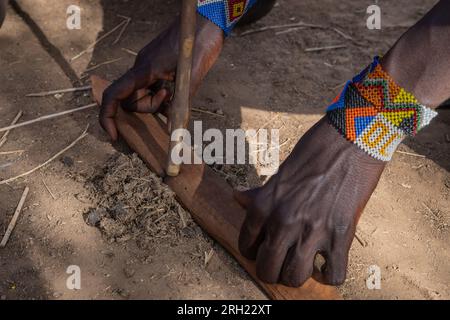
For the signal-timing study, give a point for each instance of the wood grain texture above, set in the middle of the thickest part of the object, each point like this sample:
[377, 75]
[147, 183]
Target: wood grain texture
[207, 196]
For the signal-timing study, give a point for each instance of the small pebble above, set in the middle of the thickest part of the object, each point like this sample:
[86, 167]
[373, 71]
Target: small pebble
[94, 217]
[129, 272]
[67, 161]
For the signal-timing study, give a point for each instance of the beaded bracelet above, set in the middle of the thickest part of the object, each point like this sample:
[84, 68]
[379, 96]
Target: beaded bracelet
[224, 13]
[377, 114]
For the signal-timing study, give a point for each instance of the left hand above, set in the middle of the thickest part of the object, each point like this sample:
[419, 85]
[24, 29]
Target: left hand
[311, 205]
[157, 62]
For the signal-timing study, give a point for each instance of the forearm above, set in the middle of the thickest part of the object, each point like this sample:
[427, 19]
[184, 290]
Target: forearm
[391, 99]
[206, 41]
[420, 60]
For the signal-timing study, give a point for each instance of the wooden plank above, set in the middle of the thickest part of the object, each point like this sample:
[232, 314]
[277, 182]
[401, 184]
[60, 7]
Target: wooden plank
[207, 196]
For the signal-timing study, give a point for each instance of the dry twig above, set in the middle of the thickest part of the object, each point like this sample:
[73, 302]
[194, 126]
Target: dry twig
[13, 221]
[53, 92]
[130, 51]
[325, 48]
[92, 45]
[288, 30]
[47, 117]
[128, 20]
[341, 33]
[5, 153]
[361, 241]
[207, 112]
[102, 64]
[5, 135]
[48, 189]
[411, 154]
[83, 135]
[281, 26]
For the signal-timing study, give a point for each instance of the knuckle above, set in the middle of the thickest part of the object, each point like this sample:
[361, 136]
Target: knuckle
[263, 275]
[296, 277]
[337, 278]
[342, 228]
[336, 272]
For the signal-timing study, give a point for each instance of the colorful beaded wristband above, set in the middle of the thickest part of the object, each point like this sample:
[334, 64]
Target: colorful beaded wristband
[224, 13]
[377, 114]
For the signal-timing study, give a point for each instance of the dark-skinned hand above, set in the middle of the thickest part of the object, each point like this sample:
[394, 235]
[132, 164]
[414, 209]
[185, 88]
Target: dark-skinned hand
[155, 62]
[310, 206]
[2, 11]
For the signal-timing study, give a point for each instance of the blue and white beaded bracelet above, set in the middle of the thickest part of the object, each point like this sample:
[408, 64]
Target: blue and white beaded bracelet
[376, 114]
[224, 13]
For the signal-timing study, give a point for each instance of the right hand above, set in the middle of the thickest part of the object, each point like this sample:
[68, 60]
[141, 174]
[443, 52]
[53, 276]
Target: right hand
[158, 61]
[312, 204]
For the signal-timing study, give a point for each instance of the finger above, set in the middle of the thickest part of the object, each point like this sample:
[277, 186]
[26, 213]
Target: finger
[299, 265]
[278, 238]
[269, 262]
[158, 99]
[129, 104]
[142, 102]
[107, 113]
[251, 234]
[119, 90]
[334, 271]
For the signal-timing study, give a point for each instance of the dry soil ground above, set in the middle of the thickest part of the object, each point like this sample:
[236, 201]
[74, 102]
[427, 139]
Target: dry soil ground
[140, 249]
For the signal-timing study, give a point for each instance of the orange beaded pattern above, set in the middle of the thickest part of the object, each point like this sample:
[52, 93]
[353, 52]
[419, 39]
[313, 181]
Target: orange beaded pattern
[377, 114]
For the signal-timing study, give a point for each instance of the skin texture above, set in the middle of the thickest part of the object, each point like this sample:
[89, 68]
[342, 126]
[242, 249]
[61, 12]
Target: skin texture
[2, 11]
[420, 60]
[313, 203]
[155, 62]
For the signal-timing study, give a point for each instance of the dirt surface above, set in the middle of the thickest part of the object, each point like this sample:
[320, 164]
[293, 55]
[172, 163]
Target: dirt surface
[137, 246]
[133, 203]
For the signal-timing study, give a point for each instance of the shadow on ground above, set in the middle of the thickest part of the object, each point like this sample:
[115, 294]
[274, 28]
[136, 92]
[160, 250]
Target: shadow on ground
[263, 72]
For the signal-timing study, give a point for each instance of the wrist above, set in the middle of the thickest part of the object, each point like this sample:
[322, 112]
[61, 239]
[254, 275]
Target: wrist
[376, 114]
[352, 152]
